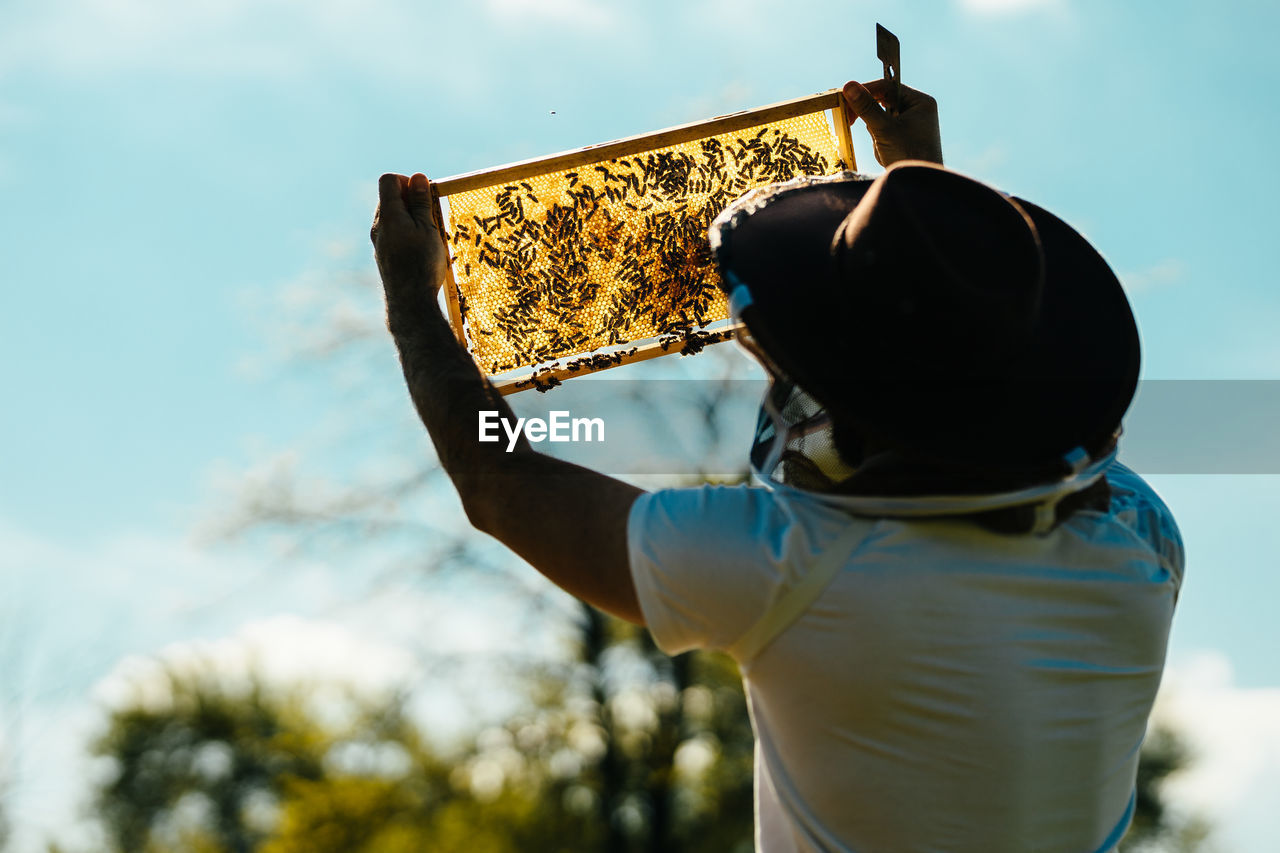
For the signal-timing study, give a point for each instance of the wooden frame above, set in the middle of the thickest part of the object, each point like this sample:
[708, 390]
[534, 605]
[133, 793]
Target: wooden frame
[831, 100]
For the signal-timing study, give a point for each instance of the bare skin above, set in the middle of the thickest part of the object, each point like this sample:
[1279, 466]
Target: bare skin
[912, 134]
[582, 545]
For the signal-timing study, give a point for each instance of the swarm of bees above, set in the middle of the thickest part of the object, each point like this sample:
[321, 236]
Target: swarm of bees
[565, 271]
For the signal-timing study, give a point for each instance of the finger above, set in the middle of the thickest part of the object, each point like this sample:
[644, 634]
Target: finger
[882, 90]
[916, 98]
[389, 187]
[418, 198]
[848, 102]
[878, 87]
[422, 202]
[390, 195]
[864, 106]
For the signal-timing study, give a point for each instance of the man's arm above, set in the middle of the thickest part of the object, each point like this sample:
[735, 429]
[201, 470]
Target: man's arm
[568, 522]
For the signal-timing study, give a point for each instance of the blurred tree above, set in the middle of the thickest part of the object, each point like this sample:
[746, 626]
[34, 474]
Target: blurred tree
[207, 761]
[661, 749]
[265, 767]
[201, 767]
[1155, 829]
[16, 696]
[639, 782]
[4, 812]
[212, 765]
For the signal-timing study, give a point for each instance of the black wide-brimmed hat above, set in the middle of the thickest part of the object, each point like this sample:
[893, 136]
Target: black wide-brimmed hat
[934, 315]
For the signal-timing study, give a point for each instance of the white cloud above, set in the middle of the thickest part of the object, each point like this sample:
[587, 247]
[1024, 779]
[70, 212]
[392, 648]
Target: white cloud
[283, 650]
[52, 753]
[1000, 7]
[12, 116]
[96, 614]
[91, 624]
[984, 162]
[578, 14]
[415, 44]
[1234, 735]
[78, 609]
[733, 96]
[1168, 271]
[83, 35]
[740, 19]
[279, 38]
[52, 764]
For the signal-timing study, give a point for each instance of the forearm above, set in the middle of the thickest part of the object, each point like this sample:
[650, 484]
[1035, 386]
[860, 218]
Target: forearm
[569, 522]
[448, 392]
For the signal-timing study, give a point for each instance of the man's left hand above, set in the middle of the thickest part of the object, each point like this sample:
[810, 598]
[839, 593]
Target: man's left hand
[408, 246]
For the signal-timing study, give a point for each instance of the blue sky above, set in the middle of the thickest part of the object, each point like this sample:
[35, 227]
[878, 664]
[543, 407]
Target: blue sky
[175, 179]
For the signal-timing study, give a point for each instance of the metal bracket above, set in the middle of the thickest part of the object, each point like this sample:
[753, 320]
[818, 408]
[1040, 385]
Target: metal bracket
[887, 51]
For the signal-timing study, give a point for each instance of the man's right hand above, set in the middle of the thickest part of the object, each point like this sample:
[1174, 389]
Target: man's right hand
[912, 134]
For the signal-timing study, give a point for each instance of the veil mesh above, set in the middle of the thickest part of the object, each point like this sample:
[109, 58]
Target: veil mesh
[794, 441]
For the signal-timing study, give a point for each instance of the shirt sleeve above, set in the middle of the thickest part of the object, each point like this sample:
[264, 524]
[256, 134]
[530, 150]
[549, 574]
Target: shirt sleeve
[1137, 503]
[708, 561]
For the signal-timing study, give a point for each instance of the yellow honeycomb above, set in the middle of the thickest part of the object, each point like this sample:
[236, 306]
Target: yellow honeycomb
[613, 252]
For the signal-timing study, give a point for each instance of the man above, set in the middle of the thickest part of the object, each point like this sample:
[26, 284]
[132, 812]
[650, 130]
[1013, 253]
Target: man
[949, 604]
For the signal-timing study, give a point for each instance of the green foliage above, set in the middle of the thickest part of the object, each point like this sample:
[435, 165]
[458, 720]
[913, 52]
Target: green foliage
[206, 755]
[646, 754]
[618, 748]
[674, 772]
[626, 751]
[1154, 829]
[4, 817]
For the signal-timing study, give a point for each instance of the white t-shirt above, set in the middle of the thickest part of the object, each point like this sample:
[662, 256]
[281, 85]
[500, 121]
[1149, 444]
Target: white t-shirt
[951, 689]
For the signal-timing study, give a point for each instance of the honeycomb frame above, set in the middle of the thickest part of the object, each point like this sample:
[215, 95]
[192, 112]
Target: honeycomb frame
[591, 258]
